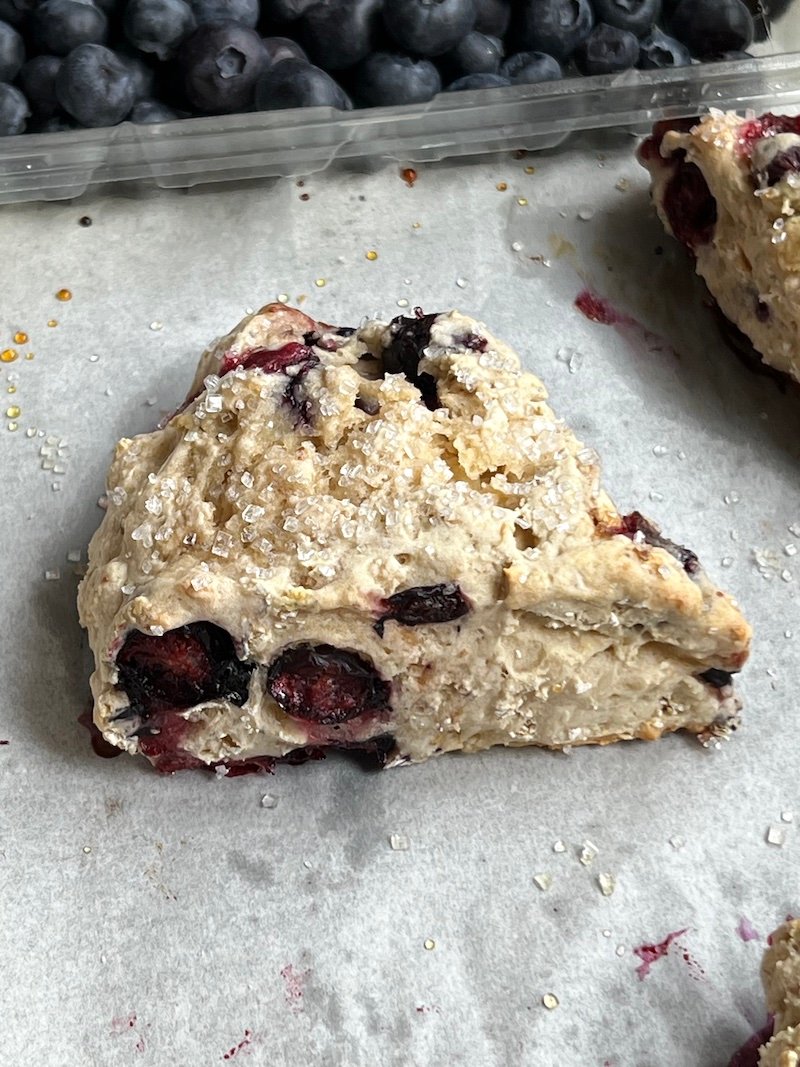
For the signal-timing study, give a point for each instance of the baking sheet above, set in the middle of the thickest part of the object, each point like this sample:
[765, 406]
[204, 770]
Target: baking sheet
[153, 920]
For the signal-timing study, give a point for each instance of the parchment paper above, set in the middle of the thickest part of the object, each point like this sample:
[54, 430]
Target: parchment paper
[155, 920]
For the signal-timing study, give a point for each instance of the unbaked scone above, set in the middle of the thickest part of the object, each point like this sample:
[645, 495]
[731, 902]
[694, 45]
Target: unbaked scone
[384, 539]
[728, 188]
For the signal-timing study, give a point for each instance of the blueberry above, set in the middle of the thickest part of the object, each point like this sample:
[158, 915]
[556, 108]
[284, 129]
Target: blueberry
[409, 339]
[37, 79]
[146, 112]
[286, 10]
[221, 63]
[385, 78]
[14, 110]
[245, 12]
[15, 12]
[708, 27]
[340, 33]
[324, 684]
[143, 75]
[58, 123]
[429, 27]
[95, 86]
[607, 50]
[474, 54]
[493, 17]
[12, 52]
[280, 48]
[477, 81]
[58, 26]
[158, 26]
[423, 605]
[294, 83]
[556, 27]
[528, 68]
[636, 16]
[657, 51]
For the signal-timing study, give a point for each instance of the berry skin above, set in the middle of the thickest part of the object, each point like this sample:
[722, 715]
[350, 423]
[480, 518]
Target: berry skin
[95, 86]
[636, 16]
[243, 12]
[528, 68]
[59, 26]
[158, 26]
[657, 51]
[556, 27]
[294, 83]
[12, 52]
[474, 54]
[15, 12]
[429, 27]
[340, 33]
[37, 79]
[146, 112]
[493, 17]
[478, 81]
[385, 78]
[710, 27]
[221, 64]
[327, 685]
[280, 48]
[607, 50]
[423, 605]
[14, 110]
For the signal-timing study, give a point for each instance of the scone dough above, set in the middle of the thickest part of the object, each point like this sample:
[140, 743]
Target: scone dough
[729, 188]
[401, 493]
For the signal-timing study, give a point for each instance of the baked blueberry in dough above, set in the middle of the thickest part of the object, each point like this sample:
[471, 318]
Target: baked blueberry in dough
[728, 188]
[384, 539]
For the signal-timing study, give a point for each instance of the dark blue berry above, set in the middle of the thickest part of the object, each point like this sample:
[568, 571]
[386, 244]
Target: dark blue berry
[142, 73]
[37, 79]
[708, 27]
[636, 16]
[245, 12]
[429, 27]
[58, 26]
[716, 677]
[15, 12]
[158, 26]
[294, 83]
[607, 50]
[14, 110]
[493, 17]
[410, 338]
[423, 605]
[556, 27]
[12, 52]
[221, 64]
[528, 68]
[385, 79]
[340, 33]
[657, 51]
[474, 54]
[477, 81]
[57, 123]
[95, 86]
[280, 48]
[324, 684]
[146, 112]
[286, 10]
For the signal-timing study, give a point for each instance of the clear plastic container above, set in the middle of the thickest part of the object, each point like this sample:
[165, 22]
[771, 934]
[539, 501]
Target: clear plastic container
[189, 152]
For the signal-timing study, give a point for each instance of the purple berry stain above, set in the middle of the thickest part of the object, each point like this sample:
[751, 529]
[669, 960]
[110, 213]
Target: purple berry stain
[637, 527]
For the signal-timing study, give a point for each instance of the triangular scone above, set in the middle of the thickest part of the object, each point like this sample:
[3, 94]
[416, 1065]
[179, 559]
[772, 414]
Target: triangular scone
[780, 974]
[385, 539]
[728, 188]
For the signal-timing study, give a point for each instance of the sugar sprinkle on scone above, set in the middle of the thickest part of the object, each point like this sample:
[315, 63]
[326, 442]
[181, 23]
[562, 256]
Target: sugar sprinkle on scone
[728, 188]
[384, 539]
